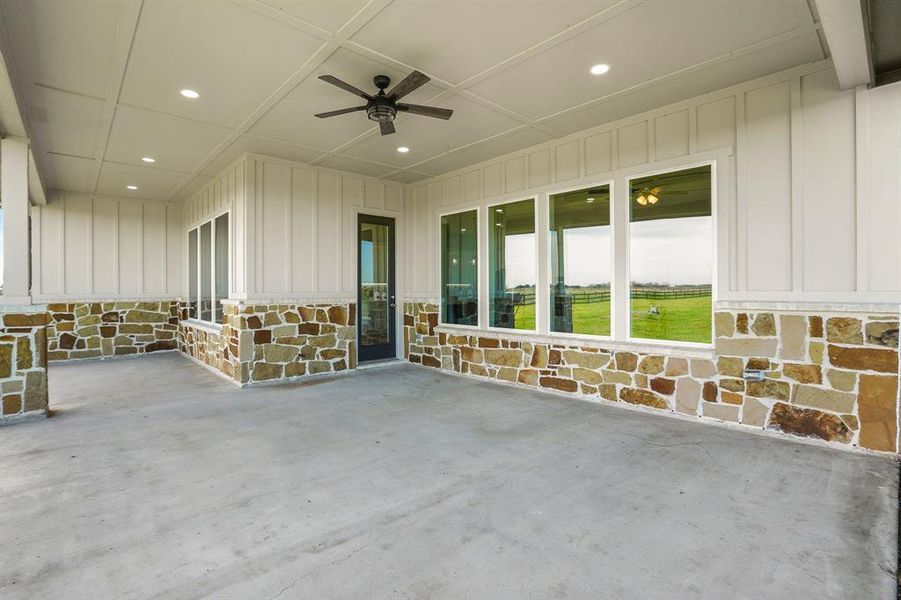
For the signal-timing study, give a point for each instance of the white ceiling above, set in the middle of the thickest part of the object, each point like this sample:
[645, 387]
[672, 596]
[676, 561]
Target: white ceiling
[101, 79]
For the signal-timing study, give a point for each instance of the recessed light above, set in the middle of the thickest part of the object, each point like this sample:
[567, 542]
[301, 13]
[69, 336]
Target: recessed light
[403, 149]
[190, 94]
[600, 69]
[131, 187]
[500, 210]
[148, 159]
[590, 200]
[463, 229]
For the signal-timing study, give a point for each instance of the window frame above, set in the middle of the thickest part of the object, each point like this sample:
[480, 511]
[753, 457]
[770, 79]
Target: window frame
[625, 295]
[196, 320]
[479, 266]
[613, 262]
[539, 302]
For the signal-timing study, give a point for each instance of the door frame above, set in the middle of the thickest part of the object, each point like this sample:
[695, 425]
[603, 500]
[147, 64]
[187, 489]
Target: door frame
[392, 329]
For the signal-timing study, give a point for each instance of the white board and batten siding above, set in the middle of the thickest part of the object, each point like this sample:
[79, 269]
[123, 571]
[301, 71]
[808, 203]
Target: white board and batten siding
[294, 226]
[88, 247]
[809, 181]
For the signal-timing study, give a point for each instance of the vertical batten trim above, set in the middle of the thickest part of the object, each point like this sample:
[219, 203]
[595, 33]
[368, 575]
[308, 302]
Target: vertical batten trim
[862, 200]
[89, 259]
[339, 230]
[259, 183]
[741, 196]
[315, 250]
[693, 129]
[289, 245]
[36, 241]
[797, 184]
[61, 250]
[117, 262]
[141, 246]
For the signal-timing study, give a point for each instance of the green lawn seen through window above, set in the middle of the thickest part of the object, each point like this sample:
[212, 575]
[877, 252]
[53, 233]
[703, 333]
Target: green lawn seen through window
[675, 319]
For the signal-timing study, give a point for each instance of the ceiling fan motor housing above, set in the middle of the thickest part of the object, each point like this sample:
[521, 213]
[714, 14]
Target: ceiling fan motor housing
[381, 108]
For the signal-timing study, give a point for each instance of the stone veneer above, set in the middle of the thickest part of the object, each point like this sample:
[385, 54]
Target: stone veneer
[105, 329]
[23, 360]
[269, 342]
[832, 376]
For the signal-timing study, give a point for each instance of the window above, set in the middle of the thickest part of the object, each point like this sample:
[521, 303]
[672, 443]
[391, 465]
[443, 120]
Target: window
[580, 274]
[208, 267]
[671, 256]
[192, 274]
[206, 271]
[512, 265]
[221, 263]
[459, 268]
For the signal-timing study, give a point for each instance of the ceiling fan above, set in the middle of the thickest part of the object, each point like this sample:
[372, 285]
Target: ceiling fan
[383, 107]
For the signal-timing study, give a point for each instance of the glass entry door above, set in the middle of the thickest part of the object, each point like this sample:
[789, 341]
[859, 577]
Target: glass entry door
[375, 285]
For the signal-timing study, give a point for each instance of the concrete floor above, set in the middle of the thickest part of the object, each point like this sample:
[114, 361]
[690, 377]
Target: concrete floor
[159, 480]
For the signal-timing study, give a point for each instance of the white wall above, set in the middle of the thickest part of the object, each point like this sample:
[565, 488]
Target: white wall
[808, 184]
[106, 248]
[294, 226]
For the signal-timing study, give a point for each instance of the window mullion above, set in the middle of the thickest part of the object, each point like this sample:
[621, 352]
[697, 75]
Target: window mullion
[213, 271]
[620, 250]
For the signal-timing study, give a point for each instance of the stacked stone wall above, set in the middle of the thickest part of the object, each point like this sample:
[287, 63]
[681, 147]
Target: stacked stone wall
[23, 361]
[215, 349]
[270, 342]
[105, 329]
[828, 376]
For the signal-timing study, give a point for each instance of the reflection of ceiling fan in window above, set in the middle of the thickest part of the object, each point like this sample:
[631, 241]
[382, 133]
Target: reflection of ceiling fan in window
[651, 196]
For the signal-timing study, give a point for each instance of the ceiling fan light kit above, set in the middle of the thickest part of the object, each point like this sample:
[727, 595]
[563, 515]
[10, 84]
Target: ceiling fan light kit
[384, 106]
[647, 196]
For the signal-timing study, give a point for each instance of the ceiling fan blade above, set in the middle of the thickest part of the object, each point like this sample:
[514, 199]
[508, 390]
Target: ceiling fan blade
[345, 86]
[410, 83]
[343, 111]
[426, 111]
[387, 127]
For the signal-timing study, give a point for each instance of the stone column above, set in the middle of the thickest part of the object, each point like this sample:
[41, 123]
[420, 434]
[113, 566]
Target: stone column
[23, 360]
[23, 326]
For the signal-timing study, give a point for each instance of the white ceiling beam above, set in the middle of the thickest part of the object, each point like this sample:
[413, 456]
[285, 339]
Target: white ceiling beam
[843, 26]
[36, 191]
[12, 122]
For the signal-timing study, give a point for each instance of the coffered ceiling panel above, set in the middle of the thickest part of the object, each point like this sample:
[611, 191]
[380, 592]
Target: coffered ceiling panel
[69, 172]
[292, 119]
[509, 142]
[151, 183]
[232, 56]
[706, 79]
[66, 45]
[65, 123]
[354, 165]
[175, 143]
[327, 15]
[427, 137]
[652, 40]
[456, 40]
